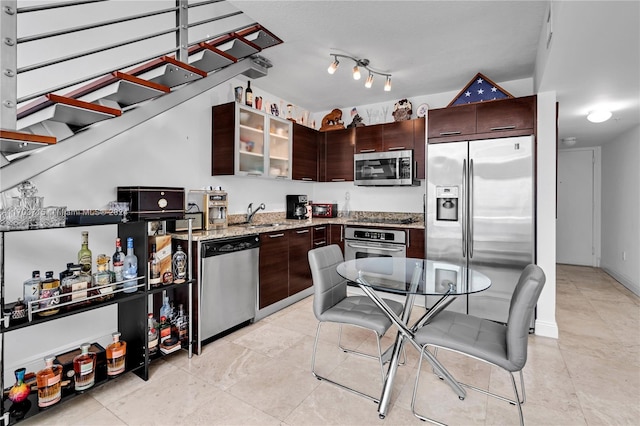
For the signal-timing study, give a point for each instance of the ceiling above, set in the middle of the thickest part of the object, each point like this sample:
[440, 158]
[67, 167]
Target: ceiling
[432, 47]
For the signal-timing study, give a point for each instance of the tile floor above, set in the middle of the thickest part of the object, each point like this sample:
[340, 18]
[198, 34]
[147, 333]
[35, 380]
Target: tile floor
[261, 375]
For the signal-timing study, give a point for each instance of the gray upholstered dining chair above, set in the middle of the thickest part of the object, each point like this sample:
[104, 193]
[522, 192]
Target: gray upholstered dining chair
[504, 346]
[331, 304]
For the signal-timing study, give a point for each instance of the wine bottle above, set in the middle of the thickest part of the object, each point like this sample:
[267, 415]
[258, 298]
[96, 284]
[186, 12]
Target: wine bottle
[130, 268]
[155, 280]
[84, 255]
[248, 95]
[118, 261]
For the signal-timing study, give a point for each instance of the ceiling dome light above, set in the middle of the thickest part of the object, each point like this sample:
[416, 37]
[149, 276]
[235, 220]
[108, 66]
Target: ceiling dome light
[599, 115]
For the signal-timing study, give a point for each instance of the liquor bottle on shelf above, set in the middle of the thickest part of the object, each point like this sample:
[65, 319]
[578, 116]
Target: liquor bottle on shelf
[130, 269]
[116, 355]
[74, 287]
[84, 366]
[152, 335]
[165, 329]
[182, 322]
[49, 383]
[118, 262]
[179, 265]
[31, 289]
[84, 255]
[102, 279]
[49, 295]
[248, 95]
[155, 279]
[165, 309]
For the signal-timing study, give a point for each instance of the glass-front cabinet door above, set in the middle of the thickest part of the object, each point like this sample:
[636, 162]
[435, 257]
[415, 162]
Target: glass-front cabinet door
[279, 148]
[260, 152]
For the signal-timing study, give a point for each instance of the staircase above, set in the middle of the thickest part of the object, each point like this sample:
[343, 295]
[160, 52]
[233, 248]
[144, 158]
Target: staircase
[55, 126]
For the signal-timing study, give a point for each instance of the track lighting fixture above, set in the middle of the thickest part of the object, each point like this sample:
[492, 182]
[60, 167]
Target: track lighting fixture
[360, 63]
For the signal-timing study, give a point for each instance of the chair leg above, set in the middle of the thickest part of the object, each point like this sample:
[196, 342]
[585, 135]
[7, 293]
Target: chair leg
[515, 391]
[415, 392]
[319, 377]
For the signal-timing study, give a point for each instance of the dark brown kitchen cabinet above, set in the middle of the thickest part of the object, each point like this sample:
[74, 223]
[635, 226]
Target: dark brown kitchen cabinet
[274, 268]
[491, 119]
[369, 139]
[339, 150]
[398, 135]
[300, 242]
[305, 153]
[419, 141]
[320, 235]
[415, 243]
[223, 139]
[336, 235]
[453, 121]
[506, 115]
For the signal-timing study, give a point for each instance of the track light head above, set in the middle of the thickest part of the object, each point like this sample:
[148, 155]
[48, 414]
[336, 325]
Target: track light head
[387, 84]
[369, 81]
[356, 73]
[334, 66]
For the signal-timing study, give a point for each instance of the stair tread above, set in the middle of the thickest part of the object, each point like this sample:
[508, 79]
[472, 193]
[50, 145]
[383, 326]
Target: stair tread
[13, 142]
[132, 90]
[211, 58]
[264, 38]
[176, 73]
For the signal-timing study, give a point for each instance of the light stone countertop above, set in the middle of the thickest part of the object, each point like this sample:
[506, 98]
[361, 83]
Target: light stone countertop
[234, 229]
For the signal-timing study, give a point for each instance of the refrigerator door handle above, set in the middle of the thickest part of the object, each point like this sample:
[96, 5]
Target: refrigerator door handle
[470, 218]
[464, 208]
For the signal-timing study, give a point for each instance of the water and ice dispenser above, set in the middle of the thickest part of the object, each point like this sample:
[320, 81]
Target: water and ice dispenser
[447, 203]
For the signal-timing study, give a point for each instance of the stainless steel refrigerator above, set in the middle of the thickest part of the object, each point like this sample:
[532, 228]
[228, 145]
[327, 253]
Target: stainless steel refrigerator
[480, 214]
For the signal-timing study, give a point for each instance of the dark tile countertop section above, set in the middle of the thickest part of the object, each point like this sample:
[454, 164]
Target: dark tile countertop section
[235, 229]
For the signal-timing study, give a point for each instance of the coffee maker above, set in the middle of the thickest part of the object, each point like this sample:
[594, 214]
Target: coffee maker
[215, 206]
[297, 207]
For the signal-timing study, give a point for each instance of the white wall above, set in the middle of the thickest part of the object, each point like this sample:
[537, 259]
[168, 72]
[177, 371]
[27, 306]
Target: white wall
[621, 209]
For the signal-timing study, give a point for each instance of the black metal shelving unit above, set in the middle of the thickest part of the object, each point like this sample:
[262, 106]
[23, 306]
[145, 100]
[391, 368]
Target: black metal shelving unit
[132, 317]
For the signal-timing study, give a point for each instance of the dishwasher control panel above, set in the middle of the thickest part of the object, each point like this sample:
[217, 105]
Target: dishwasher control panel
[229, 245]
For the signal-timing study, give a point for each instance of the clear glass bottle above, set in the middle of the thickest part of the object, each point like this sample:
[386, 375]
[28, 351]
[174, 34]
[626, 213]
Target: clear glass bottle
[102, 278]
[116, 355]
[31, 289]
[49, 295]
[118, 262]
[130, 269]
[74, 287]
[179, 262]
[49, 383]
[165, 309]
[155, 279]
[152, 335]
[84, 366]
[84, 255]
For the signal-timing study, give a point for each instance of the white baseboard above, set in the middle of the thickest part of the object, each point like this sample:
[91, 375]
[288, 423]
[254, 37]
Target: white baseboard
[625, 281]
[546, 329]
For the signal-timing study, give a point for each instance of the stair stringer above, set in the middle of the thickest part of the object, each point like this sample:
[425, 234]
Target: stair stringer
[44, 159]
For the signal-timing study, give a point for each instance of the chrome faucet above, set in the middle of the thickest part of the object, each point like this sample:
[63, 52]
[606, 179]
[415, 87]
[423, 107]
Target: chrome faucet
[250, 213]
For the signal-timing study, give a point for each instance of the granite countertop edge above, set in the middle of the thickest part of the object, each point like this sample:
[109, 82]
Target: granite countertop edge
[236, 230]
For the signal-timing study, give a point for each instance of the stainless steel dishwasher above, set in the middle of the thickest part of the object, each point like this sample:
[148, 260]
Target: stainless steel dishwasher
[229, 284]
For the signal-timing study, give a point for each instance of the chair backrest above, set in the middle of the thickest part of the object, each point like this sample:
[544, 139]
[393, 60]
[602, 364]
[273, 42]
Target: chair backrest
[523, 302]
[329, 288]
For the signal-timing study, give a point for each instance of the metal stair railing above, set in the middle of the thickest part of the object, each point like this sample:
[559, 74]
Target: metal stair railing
[131, 74]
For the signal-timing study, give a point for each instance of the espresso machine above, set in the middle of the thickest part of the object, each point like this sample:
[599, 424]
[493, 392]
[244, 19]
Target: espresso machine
[297, 207]
[215, 206]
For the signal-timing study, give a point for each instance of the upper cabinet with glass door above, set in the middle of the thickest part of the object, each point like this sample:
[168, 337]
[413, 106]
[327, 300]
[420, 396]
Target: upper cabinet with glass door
[263, 145]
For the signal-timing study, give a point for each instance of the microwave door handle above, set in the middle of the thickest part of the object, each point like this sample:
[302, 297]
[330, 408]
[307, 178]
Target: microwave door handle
[464, 208]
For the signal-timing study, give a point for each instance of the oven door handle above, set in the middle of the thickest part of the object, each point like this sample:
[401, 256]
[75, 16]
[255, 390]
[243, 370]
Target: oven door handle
[374, 248]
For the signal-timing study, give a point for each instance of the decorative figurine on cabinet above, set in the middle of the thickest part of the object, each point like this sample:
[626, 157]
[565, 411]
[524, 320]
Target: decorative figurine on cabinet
[402, 110]
[332, 121]
[356, 120]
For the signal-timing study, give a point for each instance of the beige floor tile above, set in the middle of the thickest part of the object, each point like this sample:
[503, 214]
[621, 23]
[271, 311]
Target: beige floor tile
[261, 374]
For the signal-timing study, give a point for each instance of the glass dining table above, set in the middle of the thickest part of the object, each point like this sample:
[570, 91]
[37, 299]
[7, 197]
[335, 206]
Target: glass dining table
[411, 277]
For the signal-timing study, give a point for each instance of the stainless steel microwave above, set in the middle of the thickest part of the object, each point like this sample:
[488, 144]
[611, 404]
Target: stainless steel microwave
[391, 168]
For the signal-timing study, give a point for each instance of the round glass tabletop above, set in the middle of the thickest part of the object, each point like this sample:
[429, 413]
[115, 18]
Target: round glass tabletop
[396, 275]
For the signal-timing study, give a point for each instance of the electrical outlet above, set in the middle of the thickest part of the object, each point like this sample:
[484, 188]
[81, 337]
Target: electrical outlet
[624, 255]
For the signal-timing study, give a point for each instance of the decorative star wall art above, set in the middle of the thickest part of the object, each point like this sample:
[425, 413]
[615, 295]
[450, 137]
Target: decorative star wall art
[480, 89]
